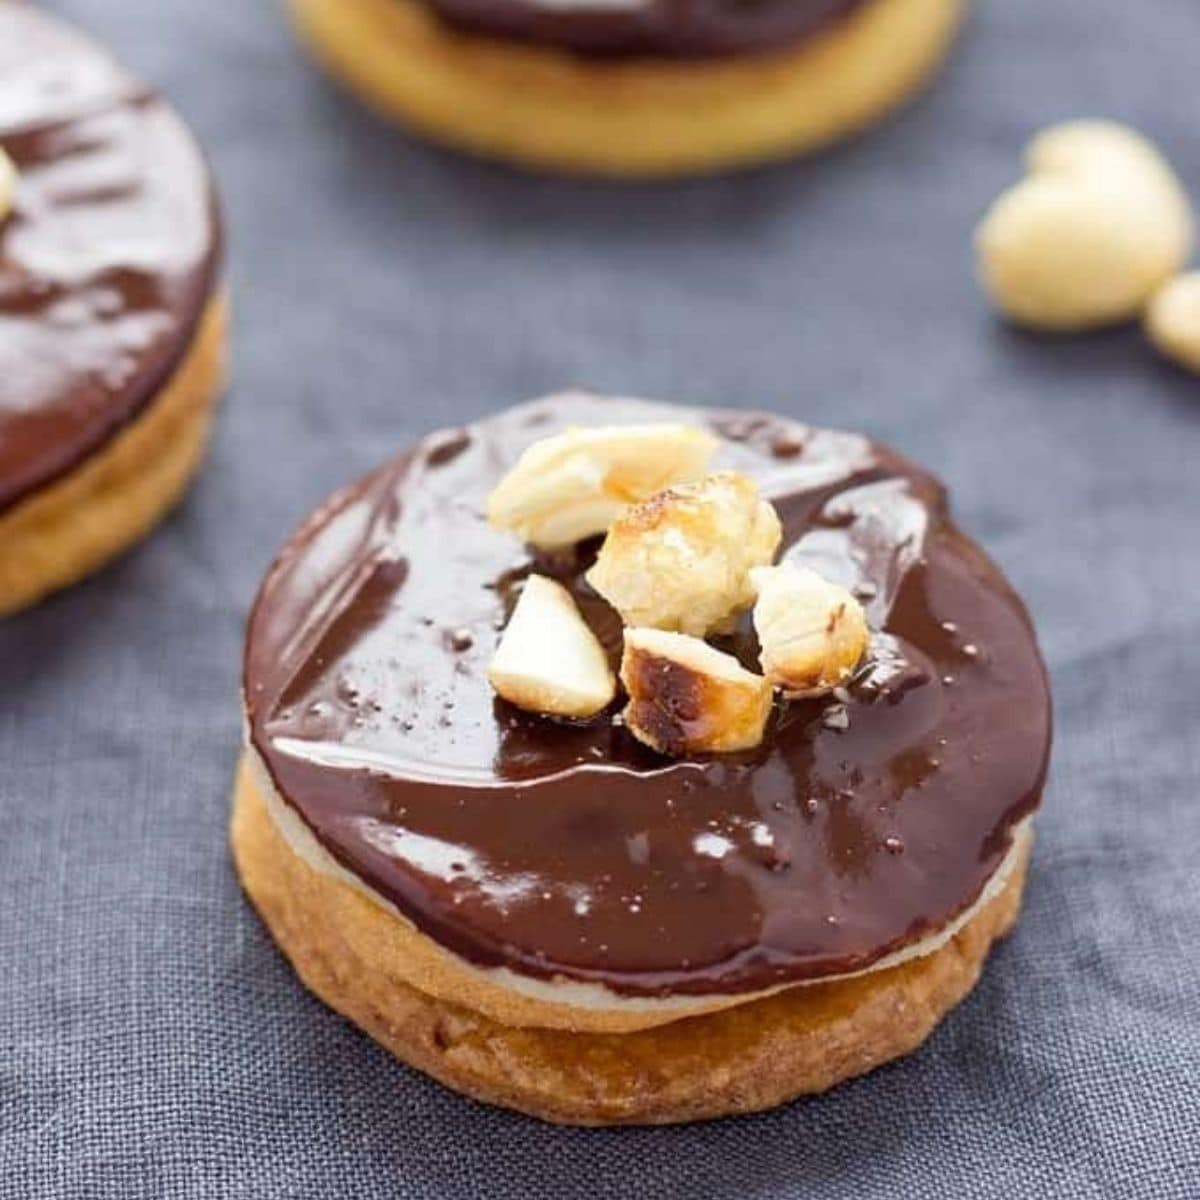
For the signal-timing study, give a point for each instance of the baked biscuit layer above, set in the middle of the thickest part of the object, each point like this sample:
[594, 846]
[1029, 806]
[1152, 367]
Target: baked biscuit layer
[548, 108]
[71, 528]
[742, 1059]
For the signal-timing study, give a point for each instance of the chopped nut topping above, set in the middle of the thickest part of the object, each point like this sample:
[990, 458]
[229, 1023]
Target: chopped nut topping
[813, 633]
[548, 660]
[681, 559]
[575, 484]
[685, 697]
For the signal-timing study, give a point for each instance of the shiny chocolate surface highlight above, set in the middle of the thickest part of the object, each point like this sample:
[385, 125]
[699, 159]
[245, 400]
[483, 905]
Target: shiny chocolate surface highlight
[864, 822]
[108, 254]
[662, 28]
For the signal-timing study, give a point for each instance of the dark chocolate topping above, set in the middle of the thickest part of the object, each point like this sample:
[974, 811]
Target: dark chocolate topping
[107, 256]
[665, 28]
[864, 822]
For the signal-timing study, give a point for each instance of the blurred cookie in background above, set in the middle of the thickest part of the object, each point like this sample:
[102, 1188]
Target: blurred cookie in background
[631, 87]
[112, 324]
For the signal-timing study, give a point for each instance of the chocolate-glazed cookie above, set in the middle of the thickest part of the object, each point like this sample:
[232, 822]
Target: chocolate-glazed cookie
[631, 88]
[860, 826]
[107, 258]
[111, 325]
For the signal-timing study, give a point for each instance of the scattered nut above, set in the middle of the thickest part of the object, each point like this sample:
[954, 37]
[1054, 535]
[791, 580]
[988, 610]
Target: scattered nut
[8, 183]
[575, 484]
[685, 697]
[548, 660]
[1173, 320]
[812, 633]
[681, 560]
[1098, 225]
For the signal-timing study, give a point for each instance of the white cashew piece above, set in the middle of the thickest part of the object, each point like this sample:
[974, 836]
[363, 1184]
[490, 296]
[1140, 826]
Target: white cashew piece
[8, 183]
[1173, 320]
[1100, 223]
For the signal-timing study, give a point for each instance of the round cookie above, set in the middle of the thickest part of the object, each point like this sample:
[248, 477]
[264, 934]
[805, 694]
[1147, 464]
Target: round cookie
[431, 857]
[738, 1060]
[112, 329]
[672, 101]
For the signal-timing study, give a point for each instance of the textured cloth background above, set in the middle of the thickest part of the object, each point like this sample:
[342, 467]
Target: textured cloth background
[153, 1043]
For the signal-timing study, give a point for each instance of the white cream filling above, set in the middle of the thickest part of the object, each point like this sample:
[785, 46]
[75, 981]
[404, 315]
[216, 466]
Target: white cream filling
[595, 996]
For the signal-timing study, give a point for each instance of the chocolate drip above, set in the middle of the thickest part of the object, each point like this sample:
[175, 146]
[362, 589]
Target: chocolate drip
[864, 822]
[106, 259]
[664, 28]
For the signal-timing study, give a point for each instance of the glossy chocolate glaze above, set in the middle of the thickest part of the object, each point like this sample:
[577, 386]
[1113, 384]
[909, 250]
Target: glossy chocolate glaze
[664, 28]
[860, 825]
[107, 257]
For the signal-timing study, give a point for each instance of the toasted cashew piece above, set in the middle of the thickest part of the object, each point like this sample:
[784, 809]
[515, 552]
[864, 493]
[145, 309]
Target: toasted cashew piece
[812, 633]
[548, 660]
[681, 560]
[575, 484]
[1100, 223]
[685, 697]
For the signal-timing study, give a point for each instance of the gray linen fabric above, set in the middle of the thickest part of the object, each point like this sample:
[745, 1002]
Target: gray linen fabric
[153, 1043]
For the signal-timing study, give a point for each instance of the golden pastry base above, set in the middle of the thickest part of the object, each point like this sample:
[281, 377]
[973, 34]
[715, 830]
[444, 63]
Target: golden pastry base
[741, 1059]
[547, 108]
[71, 528]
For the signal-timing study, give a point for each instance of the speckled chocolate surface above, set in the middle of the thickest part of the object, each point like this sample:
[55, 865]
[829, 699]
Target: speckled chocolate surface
[862, 822]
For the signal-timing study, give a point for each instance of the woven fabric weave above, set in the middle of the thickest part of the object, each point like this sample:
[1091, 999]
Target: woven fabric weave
[154, 1044]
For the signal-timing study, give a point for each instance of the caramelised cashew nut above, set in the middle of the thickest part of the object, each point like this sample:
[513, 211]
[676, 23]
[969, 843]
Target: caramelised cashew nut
[1100, 223]
[1173, 320]
[575, 484]
[548, 660]
[812, 633]
[685, 697]
[8, 183]
[681, 560]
